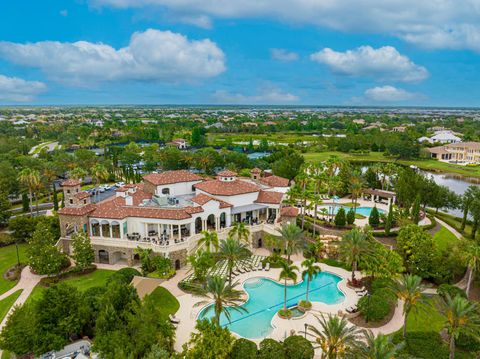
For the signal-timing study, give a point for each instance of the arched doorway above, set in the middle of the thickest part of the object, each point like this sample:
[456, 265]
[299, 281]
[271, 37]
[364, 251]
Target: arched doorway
[177, 264]
[223, 220]
[260, 243]
[211, 222]
[198, 225]
[103, 256]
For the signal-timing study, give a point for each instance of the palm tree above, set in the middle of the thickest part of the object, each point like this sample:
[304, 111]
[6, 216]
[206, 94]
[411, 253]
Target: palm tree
[356, 187]
[302, 180]
[30, 178]
[209, 239]
[232, 251]
[224, 297]
[469, 196]
[460, 315]
[291, 236]
[311, 271]
[287, 272]
[353, 247]
[335, 337]
[77, 173]
[409, 289]
[240, 231]
[376, 347]
[472, 256]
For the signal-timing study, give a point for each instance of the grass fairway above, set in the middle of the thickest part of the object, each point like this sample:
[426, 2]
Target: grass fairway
[8, 258]
[443, 238]
[6, 304]
[165, 300]
[99, 278]
[425, 164]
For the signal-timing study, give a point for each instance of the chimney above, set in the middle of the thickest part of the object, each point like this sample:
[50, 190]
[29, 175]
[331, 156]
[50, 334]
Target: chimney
[129, 201]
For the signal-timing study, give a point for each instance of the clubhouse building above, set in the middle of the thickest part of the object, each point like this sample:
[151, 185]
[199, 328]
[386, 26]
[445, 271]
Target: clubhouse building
[168, 211]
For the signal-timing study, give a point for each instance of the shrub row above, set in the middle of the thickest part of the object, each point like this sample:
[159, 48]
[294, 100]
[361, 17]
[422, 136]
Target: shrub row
[294, 347]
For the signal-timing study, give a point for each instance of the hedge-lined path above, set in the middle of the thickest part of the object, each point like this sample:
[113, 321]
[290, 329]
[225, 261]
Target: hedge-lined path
[449, 227]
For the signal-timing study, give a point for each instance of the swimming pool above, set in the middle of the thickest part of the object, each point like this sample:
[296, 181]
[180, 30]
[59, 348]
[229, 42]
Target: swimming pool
[364, 211]
[265, 299]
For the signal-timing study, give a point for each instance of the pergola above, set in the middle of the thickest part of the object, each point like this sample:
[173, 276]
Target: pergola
[379, 196]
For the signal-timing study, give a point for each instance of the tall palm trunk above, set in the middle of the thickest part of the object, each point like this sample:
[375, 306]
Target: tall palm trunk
[452, 347]
[230, 268]
[469, 281]
[405, 325]
[308, 288]
[285, 295]
[464, 219]
[31, 202]
[36, 201]
[354, 268]
[315, 218]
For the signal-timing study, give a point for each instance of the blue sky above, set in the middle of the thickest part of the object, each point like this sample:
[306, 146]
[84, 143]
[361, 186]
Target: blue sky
[293, 52]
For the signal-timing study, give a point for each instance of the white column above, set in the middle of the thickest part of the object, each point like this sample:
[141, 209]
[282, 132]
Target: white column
[121, 230]
[217, 223]
[179, 232]
[192, 228]
[171, 232]
[110, 228]
[101, 229]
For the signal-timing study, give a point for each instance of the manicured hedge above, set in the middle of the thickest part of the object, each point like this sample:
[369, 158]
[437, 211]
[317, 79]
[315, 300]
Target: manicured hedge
[297, 347]
[376, 306]
[244, 349]
[271, 349]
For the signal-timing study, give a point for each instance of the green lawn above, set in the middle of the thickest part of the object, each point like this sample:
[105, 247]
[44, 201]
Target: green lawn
[6, 304]
[8, 258]
[99, 278]
[443, 238]
[166, 301]
[456, 223]
[425, 164]
[425, 320]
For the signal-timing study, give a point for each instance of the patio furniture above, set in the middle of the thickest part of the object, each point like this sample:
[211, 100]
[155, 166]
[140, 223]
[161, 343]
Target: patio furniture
[267, 266]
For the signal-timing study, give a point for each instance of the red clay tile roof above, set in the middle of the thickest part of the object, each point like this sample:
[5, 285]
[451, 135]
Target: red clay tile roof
[82, 195]
[270, 197]
[289, 212]
[202, 198]
[232, 188]
[275, 181]
[226, 173]
[77, 211]
[71, 183]
[170, 177]
[122, 189]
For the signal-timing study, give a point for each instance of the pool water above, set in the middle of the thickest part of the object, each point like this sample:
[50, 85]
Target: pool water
[364, 211]
[265, 299]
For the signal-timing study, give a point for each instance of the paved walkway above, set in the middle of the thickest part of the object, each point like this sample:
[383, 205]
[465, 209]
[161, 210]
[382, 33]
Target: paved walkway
[450, 228]
[27, 282]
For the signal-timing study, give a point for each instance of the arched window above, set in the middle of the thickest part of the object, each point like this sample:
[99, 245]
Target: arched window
[198, 225]
[166, 191]
[115, 229]
[95, 228]
[223, 220]
[105, 226]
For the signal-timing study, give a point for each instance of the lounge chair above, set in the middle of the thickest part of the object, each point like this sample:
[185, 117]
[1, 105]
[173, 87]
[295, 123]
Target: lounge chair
[240, 270]
[363, 289]
[247, 268]
[174, 319]
[267, 266]
[260, 266]
[352, 310]
[362, 294]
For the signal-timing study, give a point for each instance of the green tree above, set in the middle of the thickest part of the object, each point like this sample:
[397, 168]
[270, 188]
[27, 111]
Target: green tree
[209, 239]
[198, 137]
[472, 258]
[377, 347]
[209, 341]
[288, 166]
[469, 196]
[350, 216]
[270, 349]
[417, 249]
[99, 174]
[4, 209]
[287, 272]
[224, 296]
[353, 247]
[244, 349]
[460, 316]
[201, 262]
[297, 347]
[83, 253]
[340, 219]
[43, 256]
[416, 210]
[409, 289]
[291, 238]
[335, 336]
[374, 218]
[55, 198]
[25, 203]
[389, 221]
[240, 231]
[17, 336]
[22, 228]
[311, 270]
[30, 179]
[232, 251]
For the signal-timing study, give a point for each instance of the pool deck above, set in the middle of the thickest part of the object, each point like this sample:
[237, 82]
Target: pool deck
[189, 311]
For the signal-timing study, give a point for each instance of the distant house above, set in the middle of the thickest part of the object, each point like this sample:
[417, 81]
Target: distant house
[399, 129]
[444, 137]
[462, 152]
[180, 143]
[359, 121]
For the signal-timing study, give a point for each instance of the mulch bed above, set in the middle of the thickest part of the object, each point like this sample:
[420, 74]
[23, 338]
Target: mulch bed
[14, 273]
[360, 321]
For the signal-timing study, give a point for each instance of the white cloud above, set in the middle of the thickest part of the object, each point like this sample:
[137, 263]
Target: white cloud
[283, 55]
[15, 89]
[384, 63]
[453, 23]
[388, 94]
[266, 96]
[150, 56]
